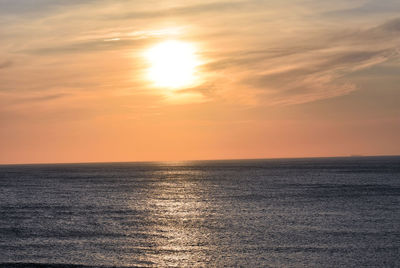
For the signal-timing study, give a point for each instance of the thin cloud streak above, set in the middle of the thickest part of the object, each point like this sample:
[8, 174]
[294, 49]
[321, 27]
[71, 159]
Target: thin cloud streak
[188, 10]
[6, 64]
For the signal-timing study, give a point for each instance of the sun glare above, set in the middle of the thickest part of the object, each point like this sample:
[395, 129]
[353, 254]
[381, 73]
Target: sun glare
[172, 64]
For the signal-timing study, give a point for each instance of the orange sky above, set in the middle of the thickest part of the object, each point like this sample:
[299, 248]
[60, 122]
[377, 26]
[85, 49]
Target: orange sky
[273, 79]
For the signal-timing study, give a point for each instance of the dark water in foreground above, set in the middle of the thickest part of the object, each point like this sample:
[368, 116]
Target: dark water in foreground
[332, 212]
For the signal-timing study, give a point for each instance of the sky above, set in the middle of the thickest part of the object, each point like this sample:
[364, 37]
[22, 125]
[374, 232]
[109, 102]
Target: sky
[273, 78]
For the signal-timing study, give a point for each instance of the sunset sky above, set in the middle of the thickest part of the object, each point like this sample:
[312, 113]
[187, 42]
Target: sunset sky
[116, 80]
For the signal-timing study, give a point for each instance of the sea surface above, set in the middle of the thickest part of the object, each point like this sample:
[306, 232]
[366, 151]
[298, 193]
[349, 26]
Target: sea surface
[317, 212]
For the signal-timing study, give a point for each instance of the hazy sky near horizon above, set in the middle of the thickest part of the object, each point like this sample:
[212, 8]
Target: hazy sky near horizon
[287, 78]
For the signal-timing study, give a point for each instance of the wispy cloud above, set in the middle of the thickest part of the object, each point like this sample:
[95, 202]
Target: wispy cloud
[25, 8]
[313, 69]
[5, 64]
[184, 10]
[90, 46]
[40, 98]
[367, 8]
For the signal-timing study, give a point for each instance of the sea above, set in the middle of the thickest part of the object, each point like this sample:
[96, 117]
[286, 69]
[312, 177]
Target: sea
[310, 212]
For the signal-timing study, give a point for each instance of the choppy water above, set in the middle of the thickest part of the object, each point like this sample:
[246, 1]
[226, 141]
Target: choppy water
[337, 212]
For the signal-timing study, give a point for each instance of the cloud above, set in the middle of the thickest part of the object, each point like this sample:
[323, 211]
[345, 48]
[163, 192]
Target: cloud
[43, 98]
[111, 41]
[205, 89]
[392, 26]
[198, 9]
[313, 69]
[367, 8]
[13, 99]
[5, 64]
[89, 46]
[35, 7]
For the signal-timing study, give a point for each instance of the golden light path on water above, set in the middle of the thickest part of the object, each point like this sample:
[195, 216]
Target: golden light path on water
[180, 205]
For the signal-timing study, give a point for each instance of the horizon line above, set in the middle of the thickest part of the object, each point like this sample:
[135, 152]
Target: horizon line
[196, 160]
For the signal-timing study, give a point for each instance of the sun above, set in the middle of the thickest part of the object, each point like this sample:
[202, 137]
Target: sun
[172, 64]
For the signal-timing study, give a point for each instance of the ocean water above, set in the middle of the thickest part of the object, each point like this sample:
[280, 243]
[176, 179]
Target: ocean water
[321, 212]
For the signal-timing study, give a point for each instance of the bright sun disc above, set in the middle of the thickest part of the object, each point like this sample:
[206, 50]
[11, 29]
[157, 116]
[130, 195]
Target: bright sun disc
[172, 64]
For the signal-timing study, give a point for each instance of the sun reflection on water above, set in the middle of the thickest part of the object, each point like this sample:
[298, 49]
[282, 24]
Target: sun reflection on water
[179, 209]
